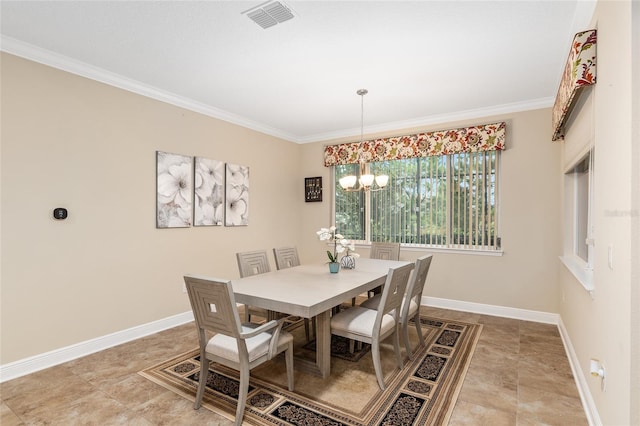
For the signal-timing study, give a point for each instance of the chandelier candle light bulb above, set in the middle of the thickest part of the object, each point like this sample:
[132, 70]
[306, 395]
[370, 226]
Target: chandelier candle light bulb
[366, 180]
[348, 181]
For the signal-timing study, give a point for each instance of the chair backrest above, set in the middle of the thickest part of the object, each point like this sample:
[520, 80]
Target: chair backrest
[253, 263]
[386, 251]
[286, 257]
[417, 281]
[420, 275]
[394, 290]
[213, 305]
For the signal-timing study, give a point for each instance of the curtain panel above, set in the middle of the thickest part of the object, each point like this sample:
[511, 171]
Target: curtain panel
[486, 137]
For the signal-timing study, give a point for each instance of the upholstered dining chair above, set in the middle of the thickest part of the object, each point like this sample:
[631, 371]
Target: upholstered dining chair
[235, 345]
[253, 263]
[287, 257]
[384, 251]
[411, 303]
[373, 326]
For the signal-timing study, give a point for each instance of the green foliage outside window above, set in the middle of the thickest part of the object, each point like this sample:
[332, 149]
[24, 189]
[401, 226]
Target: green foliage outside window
[442, 201]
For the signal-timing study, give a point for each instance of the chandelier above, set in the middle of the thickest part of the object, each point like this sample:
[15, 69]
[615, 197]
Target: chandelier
[366, 180]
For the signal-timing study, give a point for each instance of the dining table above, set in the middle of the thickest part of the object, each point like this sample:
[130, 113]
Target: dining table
[310, 290]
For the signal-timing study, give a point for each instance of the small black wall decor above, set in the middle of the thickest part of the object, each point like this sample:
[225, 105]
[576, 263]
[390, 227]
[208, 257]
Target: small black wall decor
[313, 189]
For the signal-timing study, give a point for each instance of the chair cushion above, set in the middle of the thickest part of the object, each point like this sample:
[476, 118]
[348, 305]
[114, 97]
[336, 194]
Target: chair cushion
[372, 302]
[357, 320]
[257, 346]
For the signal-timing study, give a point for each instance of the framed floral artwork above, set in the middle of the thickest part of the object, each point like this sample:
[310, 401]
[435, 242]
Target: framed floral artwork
[237, 195]
[208, 203]
[174, 190]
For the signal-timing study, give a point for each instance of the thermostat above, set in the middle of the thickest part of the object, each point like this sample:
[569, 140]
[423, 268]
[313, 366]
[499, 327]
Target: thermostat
[60, 213]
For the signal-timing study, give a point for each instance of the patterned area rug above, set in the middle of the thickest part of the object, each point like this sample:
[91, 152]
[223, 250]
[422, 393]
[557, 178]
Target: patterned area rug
[423, 392]
[340, 348]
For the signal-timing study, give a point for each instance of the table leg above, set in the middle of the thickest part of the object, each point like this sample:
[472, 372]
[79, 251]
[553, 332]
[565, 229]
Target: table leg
[323, 343]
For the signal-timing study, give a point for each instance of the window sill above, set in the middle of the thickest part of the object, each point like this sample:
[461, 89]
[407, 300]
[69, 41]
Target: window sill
[438, 250]
[582, 274]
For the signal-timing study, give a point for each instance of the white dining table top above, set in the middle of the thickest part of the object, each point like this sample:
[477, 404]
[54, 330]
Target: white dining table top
[310, 289]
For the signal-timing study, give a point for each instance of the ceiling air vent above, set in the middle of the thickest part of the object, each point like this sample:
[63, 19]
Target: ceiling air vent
[269, 14]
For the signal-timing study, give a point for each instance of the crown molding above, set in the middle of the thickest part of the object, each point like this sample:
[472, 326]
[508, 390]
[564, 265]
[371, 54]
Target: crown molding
[65, 63]
[435, 119]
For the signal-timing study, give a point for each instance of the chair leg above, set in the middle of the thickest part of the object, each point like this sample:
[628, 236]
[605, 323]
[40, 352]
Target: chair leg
[288, 354]
[204, 372]
[405, 338]
[396, 346]
[375, 353]
[242, 393]
[416, 319]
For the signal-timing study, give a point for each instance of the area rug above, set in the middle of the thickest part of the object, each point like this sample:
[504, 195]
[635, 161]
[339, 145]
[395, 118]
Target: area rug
[340, 348]
[423, 392]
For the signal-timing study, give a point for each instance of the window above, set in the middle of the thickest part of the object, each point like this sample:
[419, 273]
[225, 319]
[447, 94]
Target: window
[445, 201]
[578, 198]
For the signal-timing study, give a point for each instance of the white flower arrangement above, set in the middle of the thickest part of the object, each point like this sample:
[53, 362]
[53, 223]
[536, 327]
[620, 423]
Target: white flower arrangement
[340, 244]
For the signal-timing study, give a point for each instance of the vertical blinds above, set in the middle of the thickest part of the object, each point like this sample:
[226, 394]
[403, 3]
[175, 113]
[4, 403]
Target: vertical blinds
[445, 201]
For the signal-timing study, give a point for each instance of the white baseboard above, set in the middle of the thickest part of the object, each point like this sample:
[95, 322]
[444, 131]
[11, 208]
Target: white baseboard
[49, 359]
[494, 310]
[588, 403]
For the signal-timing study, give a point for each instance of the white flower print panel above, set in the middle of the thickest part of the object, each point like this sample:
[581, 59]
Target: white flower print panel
[174, 185]
[209, 192]
[237, 195]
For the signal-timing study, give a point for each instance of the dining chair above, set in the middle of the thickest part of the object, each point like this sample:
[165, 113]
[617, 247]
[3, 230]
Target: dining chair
[287, 257]
[252, 263]
[411, 303]
[373, 326]
[235, 345]
[384, 251]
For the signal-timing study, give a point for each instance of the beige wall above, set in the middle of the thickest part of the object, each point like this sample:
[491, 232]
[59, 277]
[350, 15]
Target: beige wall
[72, 142]
[526, 276]
[600, 327]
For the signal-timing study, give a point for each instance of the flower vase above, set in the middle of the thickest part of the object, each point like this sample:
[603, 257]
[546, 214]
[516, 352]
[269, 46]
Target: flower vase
[348, 262]
[334, 267]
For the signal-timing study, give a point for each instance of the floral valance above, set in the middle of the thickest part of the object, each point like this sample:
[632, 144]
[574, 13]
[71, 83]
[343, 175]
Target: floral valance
[487, 137]
[579, 71]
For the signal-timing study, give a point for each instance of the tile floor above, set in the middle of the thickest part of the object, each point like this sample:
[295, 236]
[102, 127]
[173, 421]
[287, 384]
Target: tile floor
[519, 375]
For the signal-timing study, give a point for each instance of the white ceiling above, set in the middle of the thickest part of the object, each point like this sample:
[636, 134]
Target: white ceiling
[423, 62]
